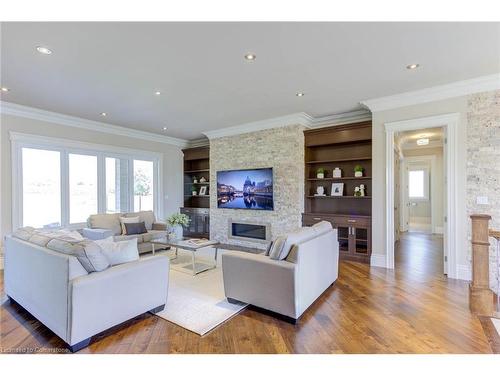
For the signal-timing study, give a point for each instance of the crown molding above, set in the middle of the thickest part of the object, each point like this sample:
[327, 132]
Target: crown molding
[202, 142]
[435, 93]
[341, 118]
[77, 122]
[300, 118]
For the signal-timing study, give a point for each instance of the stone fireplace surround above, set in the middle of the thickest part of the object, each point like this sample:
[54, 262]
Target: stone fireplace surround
[280, 148]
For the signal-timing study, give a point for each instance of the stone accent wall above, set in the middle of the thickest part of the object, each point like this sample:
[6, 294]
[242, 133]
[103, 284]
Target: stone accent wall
[279, 148]
[483, 162]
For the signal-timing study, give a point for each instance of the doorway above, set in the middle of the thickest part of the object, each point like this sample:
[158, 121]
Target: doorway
[421, 195]
[451, 239]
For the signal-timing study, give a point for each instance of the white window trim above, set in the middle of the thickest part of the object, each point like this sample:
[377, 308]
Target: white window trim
[65, 147]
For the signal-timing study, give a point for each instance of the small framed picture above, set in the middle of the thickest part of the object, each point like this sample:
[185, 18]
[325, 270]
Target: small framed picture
[203, 190]
[337, 189]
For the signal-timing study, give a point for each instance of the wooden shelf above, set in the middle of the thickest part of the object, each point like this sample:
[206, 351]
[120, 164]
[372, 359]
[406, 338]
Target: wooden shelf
[338, 160]
[339, 178]
[196, 164]
[197, 171]
[337, 197]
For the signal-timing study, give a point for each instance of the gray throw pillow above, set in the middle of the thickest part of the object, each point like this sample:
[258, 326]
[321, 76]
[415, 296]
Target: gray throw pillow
[135, 228]
[88, 253]
[277, 248]
[24, 233]
[268, 249]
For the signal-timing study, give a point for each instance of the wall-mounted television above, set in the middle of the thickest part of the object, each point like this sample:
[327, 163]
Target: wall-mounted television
[250, 189]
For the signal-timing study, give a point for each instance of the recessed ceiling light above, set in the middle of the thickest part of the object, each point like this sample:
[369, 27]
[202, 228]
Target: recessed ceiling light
[104, 114]
[423, 141]
[412, 66]
[158, 93]
[299, 94]
[5, 89]
[250, 56]
[44, 50]
[164, 128]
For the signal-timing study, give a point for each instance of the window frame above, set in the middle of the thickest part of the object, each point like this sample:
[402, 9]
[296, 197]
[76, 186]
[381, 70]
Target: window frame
[426, 171]
[66, 147]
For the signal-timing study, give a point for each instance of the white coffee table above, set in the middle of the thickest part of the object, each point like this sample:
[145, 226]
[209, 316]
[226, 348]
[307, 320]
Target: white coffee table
[184, 244]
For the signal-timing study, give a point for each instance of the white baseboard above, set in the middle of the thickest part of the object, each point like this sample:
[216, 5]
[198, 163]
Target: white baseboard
[464, 272]
[378, 260]
[438, 230]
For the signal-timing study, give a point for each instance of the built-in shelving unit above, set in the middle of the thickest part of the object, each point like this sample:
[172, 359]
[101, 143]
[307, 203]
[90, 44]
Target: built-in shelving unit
[196, 167]
[344, 147]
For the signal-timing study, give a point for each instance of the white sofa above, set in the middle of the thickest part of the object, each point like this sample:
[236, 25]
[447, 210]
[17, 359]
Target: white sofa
[103, 225]
[289, 286]
[57, 290]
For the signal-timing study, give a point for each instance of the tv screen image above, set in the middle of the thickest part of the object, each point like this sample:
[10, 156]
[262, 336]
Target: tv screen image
[250, 189]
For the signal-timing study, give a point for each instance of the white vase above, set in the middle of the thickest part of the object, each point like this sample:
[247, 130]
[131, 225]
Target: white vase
[337, 173]
[358, 174]
[320, 175]
[177, 232]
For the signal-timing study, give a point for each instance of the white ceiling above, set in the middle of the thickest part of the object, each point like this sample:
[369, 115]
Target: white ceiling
[206, 83]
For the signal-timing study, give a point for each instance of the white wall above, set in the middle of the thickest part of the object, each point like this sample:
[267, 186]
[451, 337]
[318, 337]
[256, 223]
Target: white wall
[454, 105]
[172, 159]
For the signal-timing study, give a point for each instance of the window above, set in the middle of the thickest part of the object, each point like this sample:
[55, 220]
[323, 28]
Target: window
[116, 185]
[82, 187]
[143, 185]
[418, 184]
[41, 188]
[62, 182]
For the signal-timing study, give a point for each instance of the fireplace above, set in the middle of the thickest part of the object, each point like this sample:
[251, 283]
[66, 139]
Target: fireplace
[249, 231]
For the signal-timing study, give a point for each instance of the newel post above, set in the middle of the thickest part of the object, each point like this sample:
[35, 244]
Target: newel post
[480, 294]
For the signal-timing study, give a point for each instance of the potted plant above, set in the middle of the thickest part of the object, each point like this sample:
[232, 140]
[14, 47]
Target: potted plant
[358, 171]
[320, 173]
[175, 224]
[193, 190]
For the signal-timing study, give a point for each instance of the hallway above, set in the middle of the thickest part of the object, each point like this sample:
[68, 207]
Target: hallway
[420, 253]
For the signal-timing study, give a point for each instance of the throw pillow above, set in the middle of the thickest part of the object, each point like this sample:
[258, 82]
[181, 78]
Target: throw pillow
[135, 228]
[88, 253]
[268, 249]
[293, 255]
[276, 248]
[120, 252]
[39, 239]
[123, 220]
[24, 233]
[294, 238]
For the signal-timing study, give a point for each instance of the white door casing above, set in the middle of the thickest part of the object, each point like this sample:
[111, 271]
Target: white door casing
[453, 244]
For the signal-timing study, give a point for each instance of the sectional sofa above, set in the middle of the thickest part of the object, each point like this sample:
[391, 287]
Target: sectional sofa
[103, 225]
[286, 280]
[68, 286]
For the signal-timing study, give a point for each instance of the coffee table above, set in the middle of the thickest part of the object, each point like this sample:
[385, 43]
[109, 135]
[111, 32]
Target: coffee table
[184, 244]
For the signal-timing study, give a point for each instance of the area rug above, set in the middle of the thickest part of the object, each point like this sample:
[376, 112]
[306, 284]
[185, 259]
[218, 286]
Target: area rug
[197, 303]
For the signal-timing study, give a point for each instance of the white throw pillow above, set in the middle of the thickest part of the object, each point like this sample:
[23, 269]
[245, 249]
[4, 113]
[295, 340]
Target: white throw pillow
[119, 252]
[123, 220]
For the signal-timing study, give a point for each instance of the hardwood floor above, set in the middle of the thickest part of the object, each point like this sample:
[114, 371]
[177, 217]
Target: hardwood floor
[414, 309]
